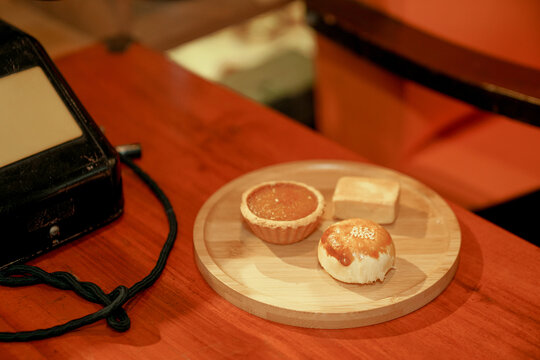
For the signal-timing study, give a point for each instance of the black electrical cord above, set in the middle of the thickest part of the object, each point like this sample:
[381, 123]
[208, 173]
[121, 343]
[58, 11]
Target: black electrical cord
[117, 318]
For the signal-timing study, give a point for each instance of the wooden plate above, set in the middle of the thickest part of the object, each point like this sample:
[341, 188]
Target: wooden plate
[286, 284]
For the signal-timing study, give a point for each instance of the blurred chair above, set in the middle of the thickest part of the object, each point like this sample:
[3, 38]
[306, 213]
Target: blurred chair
[443, 100]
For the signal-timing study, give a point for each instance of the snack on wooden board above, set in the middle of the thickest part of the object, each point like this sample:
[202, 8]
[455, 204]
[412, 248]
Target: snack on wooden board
[282, 212]
[356, 251]
[367, 198]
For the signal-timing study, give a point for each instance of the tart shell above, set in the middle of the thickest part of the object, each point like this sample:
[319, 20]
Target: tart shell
[282, 231]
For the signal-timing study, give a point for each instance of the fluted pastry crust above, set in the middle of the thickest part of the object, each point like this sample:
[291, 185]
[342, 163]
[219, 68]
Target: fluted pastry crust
[282, 231]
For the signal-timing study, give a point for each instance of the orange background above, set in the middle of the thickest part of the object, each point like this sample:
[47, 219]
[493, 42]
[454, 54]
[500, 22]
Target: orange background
[475, 158]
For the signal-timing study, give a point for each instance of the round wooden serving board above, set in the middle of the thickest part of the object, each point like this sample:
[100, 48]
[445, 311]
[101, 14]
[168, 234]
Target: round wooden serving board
[286, 284]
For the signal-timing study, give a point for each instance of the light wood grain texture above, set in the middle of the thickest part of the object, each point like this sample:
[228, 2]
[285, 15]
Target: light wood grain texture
[196, 137]
[286, 284]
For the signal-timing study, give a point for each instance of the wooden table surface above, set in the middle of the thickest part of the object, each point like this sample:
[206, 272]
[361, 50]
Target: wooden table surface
[196, 137]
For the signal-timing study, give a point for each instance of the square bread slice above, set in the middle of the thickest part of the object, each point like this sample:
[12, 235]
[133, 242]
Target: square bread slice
[367, 198]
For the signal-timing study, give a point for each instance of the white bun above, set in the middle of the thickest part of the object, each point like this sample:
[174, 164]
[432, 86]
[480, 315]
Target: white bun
[356, 251]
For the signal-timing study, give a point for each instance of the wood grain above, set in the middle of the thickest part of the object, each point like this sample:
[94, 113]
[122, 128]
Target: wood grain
[286, 283]
[196, 137]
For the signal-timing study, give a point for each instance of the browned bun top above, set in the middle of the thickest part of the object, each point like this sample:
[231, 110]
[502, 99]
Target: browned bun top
[356, 237]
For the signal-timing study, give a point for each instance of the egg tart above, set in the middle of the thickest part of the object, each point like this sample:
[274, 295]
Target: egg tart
[282, 212]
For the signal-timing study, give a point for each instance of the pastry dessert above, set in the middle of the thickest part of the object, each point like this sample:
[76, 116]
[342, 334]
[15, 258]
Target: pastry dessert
[356, 251]
[282, 212]
[367, 198]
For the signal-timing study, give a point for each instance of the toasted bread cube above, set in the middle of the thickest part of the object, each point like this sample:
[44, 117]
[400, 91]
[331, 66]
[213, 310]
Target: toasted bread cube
[367, 198]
